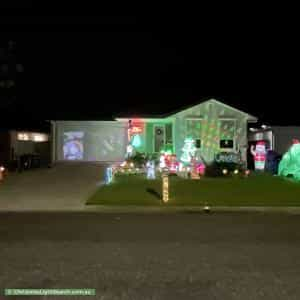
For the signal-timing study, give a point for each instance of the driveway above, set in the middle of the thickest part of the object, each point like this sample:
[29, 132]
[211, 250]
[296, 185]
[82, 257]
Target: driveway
[63, 187]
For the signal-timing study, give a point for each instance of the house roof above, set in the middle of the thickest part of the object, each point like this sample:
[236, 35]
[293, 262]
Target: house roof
[170, 114]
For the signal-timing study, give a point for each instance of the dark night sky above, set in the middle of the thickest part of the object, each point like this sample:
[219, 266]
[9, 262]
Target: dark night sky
[92, 67]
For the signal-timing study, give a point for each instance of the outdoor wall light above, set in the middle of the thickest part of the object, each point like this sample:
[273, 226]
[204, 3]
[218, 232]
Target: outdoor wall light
[224, 171]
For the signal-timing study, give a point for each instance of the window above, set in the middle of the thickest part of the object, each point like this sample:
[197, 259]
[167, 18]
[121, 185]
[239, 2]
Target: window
[226, 144]
[227, 133]
[198, 143]
[194, 130]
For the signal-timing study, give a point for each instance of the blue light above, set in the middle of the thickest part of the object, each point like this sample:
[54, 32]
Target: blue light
[109, 175]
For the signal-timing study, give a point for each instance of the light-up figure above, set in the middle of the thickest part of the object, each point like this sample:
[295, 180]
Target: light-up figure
[150, 165]
[259, 154]
[290, 163]
[162, 161]
[109, 175]
[129, 151]
[174, 164]
[189, 150]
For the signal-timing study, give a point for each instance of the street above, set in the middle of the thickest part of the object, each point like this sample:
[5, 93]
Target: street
[153, 256]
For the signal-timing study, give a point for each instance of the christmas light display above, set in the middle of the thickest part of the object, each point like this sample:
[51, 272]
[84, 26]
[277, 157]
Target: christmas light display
[259, 155]
[109, 175]
[136, 141]
[290, 163]
[173, 165]
[165, 187]
[189, 150]
[150, 169]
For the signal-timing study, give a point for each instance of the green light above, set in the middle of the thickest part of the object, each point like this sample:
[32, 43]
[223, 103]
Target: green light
[290, 163]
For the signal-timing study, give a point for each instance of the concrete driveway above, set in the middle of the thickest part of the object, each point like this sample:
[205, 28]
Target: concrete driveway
[63, 187]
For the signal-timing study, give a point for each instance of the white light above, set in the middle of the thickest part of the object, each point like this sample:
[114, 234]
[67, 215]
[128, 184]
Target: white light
[236, 171]
[35, 137]
[38, 138]
[2, 169]
[225, 171]
[206, 208]
[23, 137]
[264, 126]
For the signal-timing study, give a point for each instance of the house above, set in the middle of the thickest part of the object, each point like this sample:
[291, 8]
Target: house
[16, 143]
[277, 138]
[213, 125]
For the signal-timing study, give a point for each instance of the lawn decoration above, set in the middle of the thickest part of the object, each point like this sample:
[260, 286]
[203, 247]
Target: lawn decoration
[290, 164]
[194, 170]
[129, 151]
[162, 161]
[109, 175]
[200, 168]
[246, 173]
[165, 187]
[150, 169]
[189, 150]
[173, 165]
[228, 163]
[259, 155]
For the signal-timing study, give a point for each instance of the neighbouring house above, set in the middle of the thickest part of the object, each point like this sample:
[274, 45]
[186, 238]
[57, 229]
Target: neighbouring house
[277, 138]
[215, 127]
[14, 144]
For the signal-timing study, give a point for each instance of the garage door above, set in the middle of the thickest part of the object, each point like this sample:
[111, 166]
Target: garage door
[90, 141]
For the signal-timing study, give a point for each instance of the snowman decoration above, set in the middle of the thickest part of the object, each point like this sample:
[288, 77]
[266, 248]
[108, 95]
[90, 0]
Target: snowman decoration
[189, 150]
[260, 155]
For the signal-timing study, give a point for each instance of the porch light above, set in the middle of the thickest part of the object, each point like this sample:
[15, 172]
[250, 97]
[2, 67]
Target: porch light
[224, 171]
[236, 171]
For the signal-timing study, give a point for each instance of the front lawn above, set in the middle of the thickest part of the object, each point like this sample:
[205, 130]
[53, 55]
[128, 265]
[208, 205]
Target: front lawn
[257, 190]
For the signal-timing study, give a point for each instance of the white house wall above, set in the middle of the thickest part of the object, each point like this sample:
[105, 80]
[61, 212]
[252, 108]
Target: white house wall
[211, 112]
[98, 140]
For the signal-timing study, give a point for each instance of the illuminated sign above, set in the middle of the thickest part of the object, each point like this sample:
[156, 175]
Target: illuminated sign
[228, 157]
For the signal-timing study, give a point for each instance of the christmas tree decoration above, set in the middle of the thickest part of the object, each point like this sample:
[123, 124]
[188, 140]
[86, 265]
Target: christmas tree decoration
[150, 165]
[189, 150]
[290, 163]
[259, 155]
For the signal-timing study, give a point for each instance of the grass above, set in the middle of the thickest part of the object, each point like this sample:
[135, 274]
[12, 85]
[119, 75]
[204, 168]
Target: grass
[257, 190]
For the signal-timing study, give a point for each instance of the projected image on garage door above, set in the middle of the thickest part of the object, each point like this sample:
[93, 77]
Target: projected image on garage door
[73, 145]
[105, 145]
